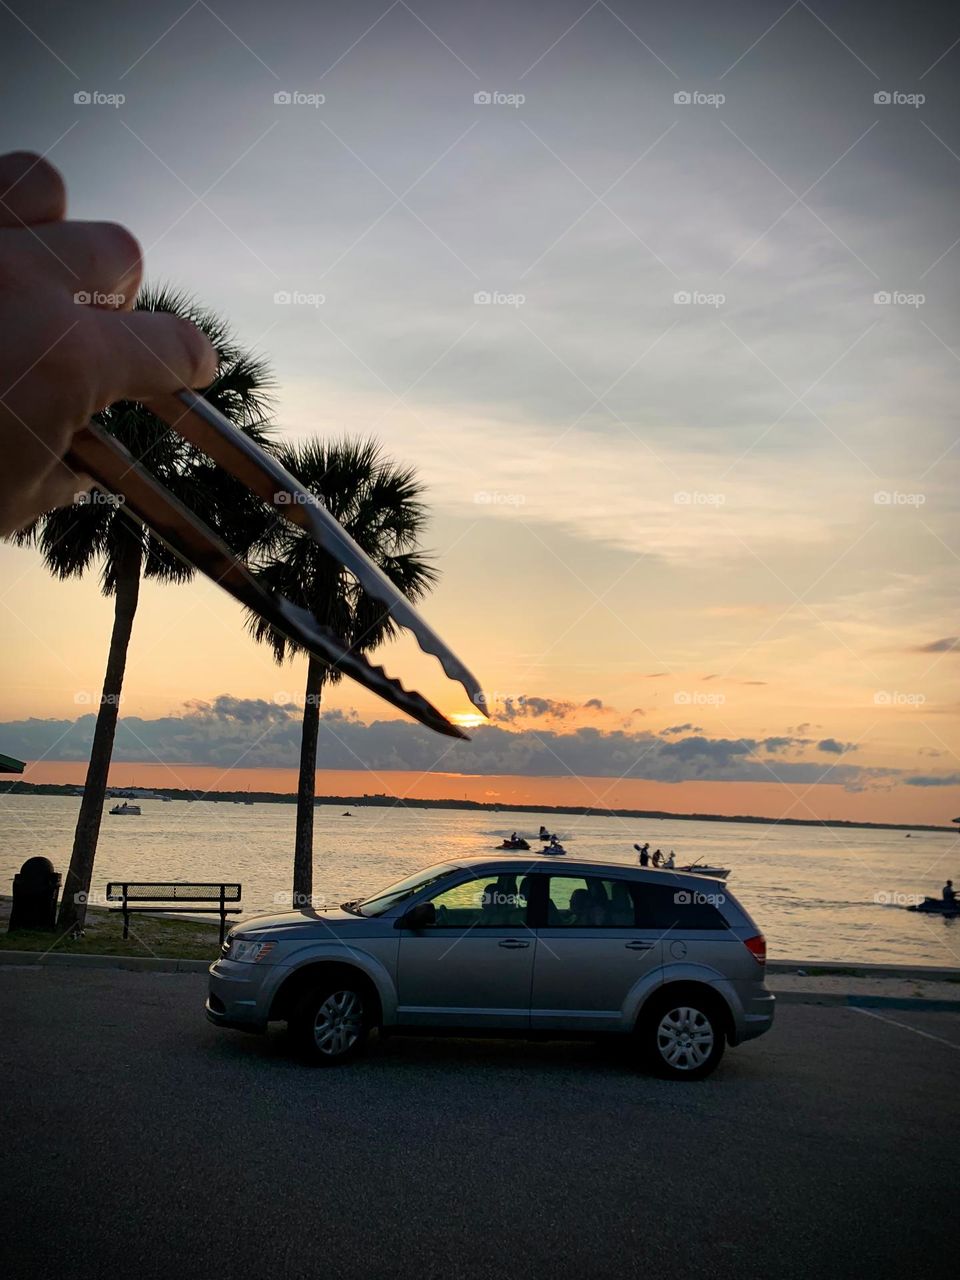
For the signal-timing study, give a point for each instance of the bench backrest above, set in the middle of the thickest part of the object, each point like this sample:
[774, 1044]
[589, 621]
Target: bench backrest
[146, 891]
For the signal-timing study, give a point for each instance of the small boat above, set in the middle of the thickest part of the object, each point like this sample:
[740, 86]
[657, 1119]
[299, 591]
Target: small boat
[126, 810]
[348, 814]
[519, 843]
[701, 869]
[936, 907]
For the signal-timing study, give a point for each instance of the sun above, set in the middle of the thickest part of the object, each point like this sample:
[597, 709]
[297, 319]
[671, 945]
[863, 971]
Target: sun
[468, 719]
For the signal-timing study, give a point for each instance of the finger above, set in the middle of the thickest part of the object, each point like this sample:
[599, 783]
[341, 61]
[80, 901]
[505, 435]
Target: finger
[31, 190]
[150, 353]
[99, 262]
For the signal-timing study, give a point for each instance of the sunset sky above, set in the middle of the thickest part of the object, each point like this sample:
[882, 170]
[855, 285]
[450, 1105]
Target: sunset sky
[693, 467]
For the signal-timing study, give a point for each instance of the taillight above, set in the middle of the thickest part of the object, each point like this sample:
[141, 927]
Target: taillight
[757, 946]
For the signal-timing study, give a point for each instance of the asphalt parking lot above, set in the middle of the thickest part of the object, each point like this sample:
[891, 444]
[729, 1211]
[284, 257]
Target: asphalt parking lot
[139, 1140]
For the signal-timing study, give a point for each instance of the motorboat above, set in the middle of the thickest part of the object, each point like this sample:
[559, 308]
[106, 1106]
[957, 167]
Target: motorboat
[702, 869]
[936, 907]
[126, 810]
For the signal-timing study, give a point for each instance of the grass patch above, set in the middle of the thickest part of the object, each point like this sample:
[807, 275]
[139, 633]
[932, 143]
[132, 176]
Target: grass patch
[165, 937]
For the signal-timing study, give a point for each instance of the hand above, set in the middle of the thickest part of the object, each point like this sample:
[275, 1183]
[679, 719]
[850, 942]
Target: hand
[72, 342]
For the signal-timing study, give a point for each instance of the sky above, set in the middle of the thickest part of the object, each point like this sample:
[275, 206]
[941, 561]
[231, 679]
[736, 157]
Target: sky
[660, 302]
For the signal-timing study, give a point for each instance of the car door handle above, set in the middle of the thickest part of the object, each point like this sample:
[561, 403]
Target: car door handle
[513, 944]
[639, 946]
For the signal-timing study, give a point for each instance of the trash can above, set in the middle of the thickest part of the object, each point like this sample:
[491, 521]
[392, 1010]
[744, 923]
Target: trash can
[35, 889]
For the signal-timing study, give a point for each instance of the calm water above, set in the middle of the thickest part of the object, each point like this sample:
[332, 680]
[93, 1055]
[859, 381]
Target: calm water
[817, 894]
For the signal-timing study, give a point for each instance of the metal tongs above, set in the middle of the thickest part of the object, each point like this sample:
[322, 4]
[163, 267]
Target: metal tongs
[114, 468]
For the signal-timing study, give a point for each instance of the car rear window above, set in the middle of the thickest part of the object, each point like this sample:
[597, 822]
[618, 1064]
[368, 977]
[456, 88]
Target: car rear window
[677, 907]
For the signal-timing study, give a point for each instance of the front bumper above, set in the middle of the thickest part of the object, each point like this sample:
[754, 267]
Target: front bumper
[238, 997]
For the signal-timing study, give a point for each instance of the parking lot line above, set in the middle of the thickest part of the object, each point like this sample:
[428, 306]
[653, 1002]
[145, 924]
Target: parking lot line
[927, 1035]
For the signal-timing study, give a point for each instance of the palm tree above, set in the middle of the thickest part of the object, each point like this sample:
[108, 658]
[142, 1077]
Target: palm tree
[379, 503]
[98, 531]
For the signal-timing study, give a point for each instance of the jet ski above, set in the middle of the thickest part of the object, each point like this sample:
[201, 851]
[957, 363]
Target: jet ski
[936, 907]
[519, 843]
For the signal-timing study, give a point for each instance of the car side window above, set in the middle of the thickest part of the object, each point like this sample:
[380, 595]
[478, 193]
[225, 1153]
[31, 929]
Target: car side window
[667, 907]
[490, 902]
[589, 902]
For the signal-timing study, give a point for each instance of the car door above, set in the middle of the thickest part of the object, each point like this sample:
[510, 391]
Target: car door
[590, 953]
[474, 966]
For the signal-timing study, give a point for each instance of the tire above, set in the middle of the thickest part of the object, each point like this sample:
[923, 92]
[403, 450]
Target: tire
[682, 1037]
[332, 1022]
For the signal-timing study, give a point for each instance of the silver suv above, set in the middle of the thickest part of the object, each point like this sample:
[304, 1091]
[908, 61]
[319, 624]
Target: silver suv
[521, 946]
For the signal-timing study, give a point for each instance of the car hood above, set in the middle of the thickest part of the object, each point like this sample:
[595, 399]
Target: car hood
[295, 921]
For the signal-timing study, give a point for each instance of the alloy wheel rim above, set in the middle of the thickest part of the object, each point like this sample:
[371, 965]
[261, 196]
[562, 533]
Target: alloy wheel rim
[338, 1023]
[685, 1038]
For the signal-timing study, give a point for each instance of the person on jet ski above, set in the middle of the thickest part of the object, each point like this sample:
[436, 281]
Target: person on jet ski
[949, 894]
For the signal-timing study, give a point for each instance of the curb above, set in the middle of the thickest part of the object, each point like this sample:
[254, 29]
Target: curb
[837, 999]
[850, 968]
[55, 959]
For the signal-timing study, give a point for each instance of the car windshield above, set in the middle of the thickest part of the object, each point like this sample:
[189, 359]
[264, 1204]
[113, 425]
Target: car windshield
[387, 898]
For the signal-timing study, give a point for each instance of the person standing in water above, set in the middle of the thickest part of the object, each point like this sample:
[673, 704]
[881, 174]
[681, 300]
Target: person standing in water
[670, 862]
[645, 855]
[657, 857]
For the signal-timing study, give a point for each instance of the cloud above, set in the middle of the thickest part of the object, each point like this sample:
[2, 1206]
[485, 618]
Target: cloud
[595, 703]
[933, 780]
[228, 731]
[947, 645]
[832, 747]
[526, 706]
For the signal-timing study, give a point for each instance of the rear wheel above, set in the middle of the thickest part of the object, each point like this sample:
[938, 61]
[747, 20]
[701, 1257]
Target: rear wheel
[331, 1023]
[683, 1037]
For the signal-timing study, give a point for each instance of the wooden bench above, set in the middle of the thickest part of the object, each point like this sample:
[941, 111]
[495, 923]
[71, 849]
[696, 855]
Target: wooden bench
[160, 895]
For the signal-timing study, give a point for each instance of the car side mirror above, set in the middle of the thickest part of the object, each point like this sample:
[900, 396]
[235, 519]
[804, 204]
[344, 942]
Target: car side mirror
[419, 917]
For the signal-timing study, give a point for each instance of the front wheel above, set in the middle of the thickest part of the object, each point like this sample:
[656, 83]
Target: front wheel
[331, 1024]
[683, 1037]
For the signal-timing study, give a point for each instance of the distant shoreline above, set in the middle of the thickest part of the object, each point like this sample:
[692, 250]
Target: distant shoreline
[473, 806]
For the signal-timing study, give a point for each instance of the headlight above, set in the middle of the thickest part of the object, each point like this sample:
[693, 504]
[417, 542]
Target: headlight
[249, 950]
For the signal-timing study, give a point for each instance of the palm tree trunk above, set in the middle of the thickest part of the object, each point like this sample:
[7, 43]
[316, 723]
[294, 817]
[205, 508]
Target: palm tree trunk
[307, 787]
[73, 905]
